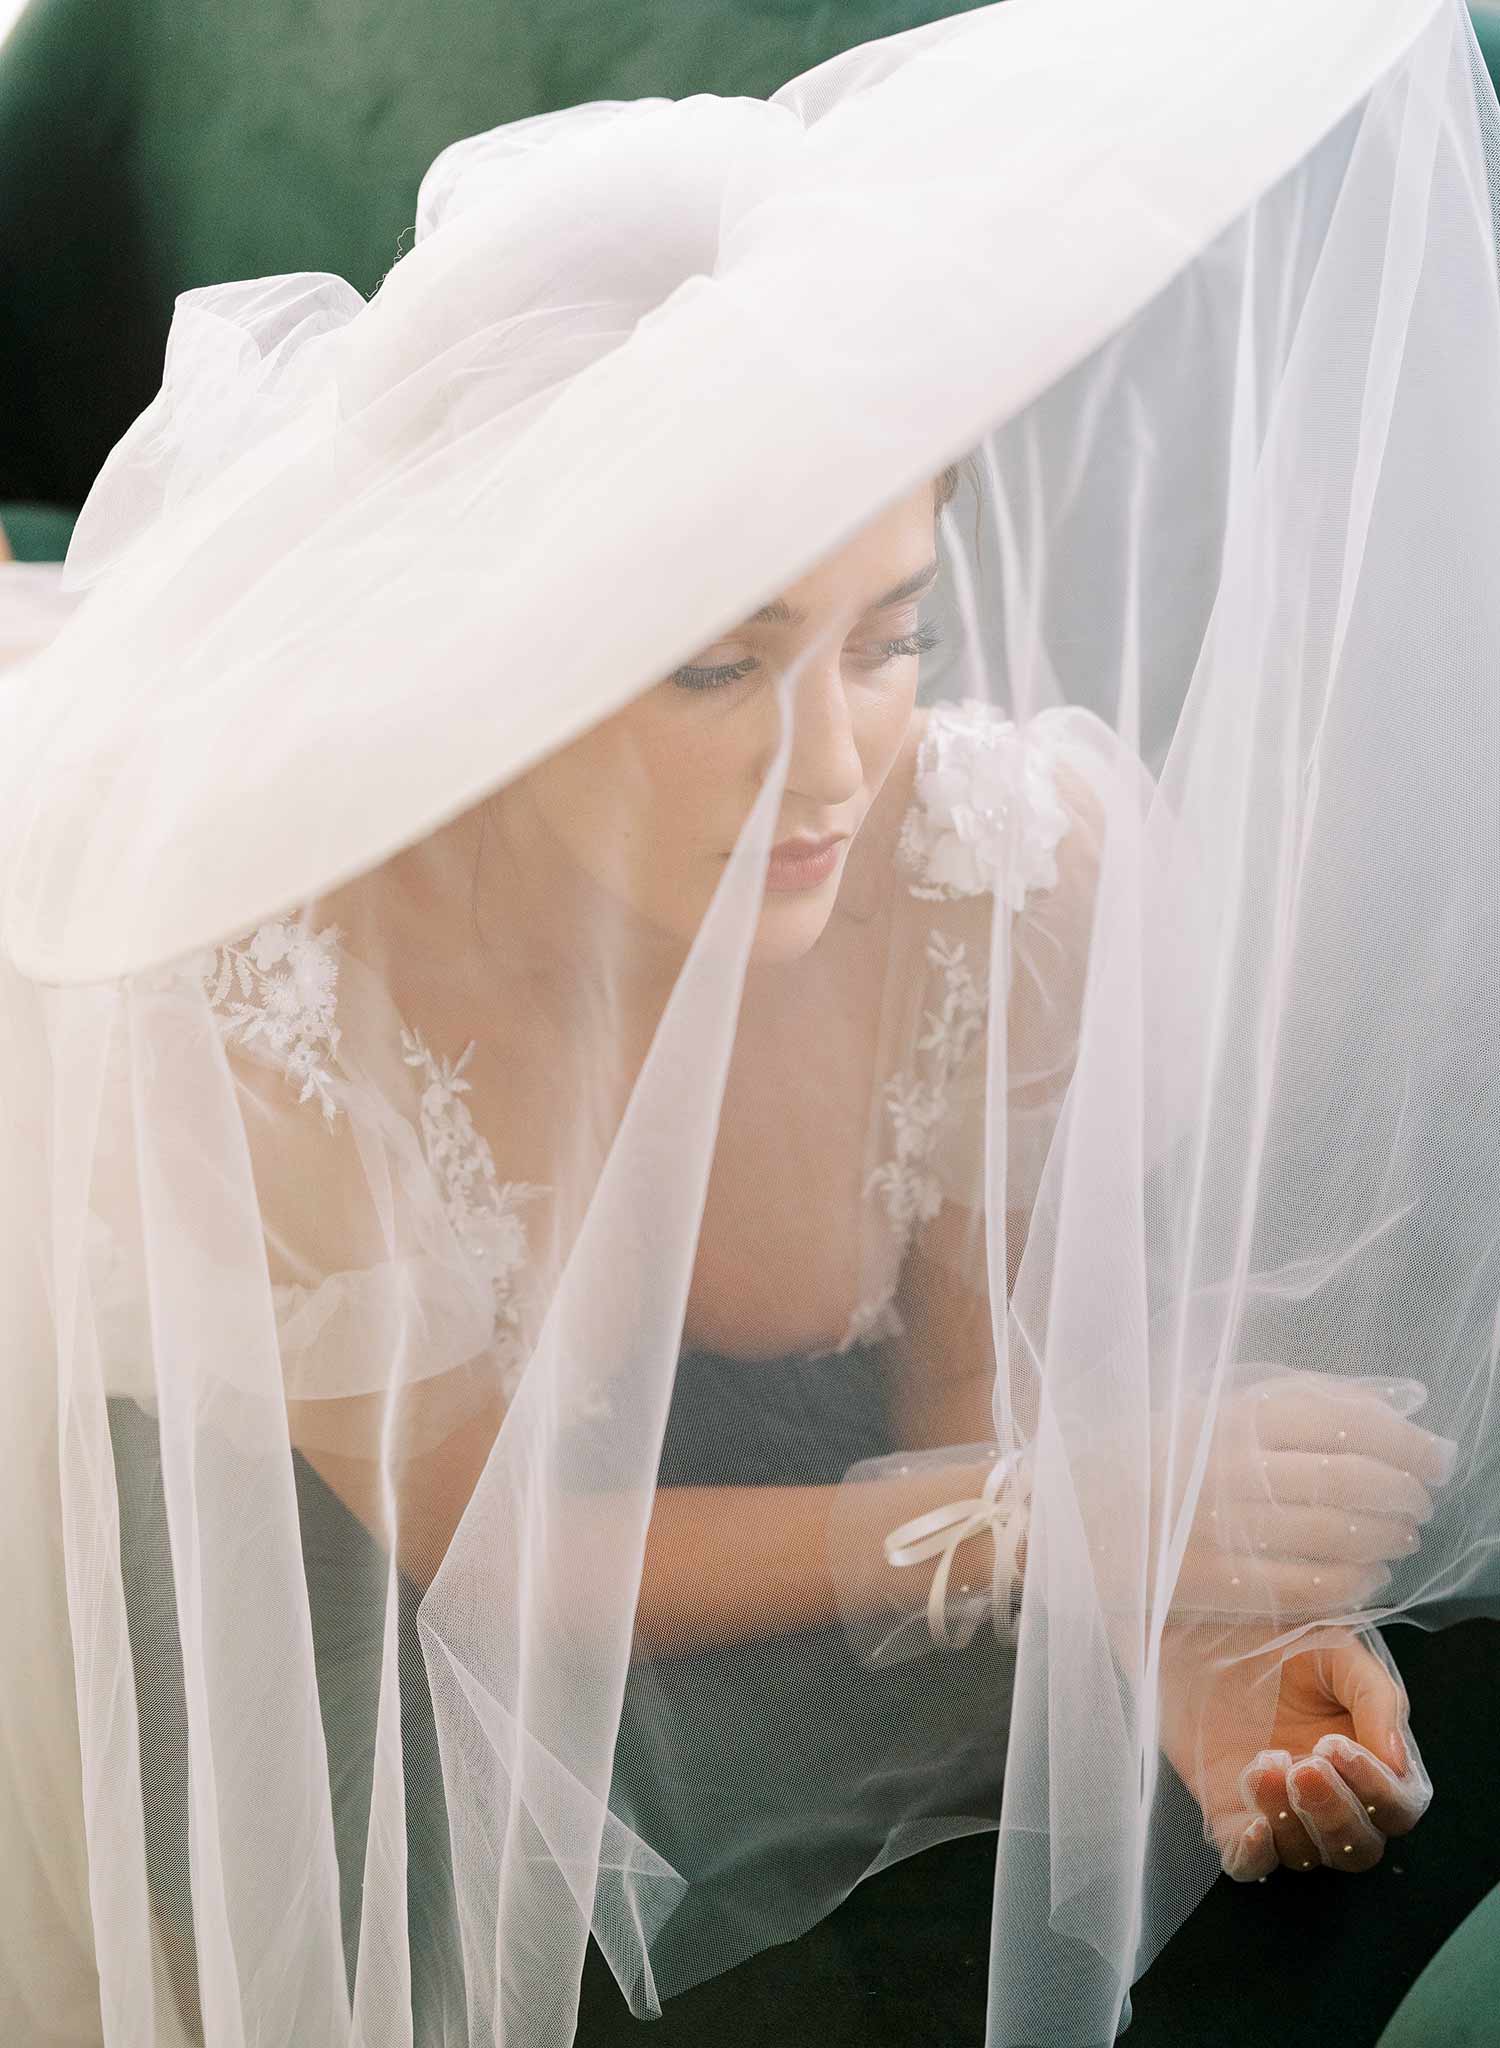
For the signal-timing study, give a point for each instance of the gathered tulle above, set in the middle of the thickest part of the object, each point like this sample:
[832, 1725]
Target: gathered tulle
[747, 1061]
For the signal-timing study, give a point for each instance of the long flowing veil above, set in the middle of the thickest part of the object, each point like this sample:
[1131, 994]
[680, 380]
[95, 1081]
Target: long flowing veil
[748, 1083]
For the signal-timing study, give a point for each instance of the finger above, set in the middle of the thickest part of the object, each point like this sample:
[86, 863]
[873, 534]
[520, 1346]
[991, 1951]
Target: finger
[1270, 1529]
[1345, 1836]
[1226, 1586]
[1332, 1480]
[1394, 1804]
[1374, 1697]
[1325, 1420]
[1314, 1591]
[1263, 1788]
[1401, 1396]
[1250, 1855]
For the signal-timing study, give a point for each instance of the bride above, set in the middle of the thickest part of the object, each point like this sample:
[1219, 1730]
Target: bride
[833, 1313]
[661, 1279]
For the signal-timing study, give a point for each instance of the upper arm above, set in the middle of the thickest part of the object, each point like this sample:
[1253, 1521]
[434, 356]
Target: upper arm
[945, 1297]
[384, 1326]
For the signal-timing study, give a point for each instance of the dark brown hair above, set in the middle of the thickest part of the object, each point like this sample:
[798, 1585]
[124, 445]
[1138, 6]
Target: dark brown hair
[948, 480]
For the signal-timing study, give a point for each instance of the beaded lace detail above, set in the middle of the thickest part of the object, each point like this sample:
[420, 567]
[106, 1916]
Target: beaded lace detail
[916, 1099]
[985, 816]
[279, 990]
[483, 1210]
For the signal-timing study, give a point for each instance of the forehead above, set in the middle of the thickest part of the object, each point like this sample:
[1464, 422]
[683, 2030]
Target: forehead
[889, 550]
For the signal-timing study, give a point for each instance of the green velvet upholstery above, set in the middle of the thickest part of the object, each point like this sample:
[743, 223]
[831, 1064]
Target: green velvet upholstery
[36, 533]
[1485, 14]
[149, 146]
[1455, 2003]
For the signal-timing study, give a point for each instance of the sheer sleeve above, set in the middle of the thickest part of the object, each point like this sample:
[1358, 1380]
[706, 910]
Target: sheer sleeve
[1005, 851]
[1039, 918]
[391, 1335]
[392, 1245]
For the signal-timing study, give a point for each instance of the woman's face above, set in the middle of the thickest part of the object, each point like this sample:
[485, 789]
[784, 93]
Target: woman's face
[650, 803]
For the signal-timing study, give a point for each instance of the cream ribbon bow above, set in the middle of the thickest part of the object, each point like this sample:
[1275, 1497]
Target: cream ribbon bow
[1003, 1509]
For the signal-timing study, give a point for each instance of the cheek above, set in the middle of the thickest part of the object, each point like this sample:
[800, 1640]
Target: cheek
[882, 730]
[703, 764]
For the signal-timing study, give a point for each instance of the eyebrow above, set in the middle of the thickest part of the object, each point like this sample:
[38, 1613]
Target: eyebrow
[779, 613]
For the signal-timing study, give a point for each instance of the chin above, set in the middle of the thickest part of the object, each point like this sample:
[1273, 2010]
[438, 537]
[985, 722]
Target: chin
[790, 926]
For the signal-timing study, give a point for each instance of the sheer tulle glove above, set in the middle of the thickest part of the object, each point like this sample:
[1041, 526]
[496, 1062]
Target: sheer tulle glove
[1337, 1773]
[929, 1547]
[1311, 1488]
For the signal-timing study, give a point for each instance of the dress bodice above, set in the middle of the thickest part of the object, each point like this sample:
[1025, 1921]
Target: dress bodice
[985, 819]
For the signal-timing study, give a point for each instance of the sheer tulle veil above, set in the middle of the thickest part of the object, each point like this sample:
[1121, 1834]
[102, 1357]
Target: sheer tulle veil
[748, 1096]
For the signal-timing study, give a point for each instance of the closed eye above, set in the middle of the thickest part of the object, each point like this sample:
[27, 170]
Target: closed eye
[905, 648]
[692, 677]
[873, 655]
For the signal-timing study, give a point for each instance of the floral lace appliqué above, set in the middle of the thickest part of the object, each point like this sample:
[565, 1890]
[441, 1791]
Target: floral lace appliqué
[916, 1102]
[483, 1210]
[278, 991]
[987, 813]
[986, 816]
[916, 1099]
[871, 1322]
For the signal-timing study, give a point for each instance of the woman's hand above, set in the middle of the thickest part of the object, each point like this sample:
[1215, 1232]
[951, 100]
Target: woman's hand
[1311, 1487]
[1343, 1775]
[1332, 1774]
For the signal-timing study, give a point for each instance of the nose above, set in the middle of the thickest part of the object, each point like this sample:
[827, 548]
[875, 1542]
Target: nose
[824, 767]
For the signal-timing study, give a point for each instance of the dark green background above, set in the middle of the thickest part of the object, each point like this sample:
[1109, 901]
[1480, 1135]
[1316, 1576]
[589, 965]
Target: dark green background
[147, 146]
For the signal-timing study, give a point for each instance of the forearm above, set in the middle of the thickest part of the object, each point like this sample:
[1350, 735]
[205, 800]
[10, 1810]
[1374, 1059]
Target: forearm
[730, 1564]
[721, 1564]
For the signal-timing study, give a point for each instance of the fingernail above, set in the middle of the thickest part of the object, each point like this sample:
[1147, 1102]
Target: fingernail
[1396, 1750]
[1248, 1850]
[1336, 1746]
[1405, 1396]
[1312, 1786]
[1447, 1455]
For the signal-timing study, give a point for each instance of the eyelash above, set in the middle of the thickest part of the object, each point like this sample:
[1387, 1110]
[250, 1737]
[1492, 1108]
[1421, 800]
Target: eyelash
[909, 645]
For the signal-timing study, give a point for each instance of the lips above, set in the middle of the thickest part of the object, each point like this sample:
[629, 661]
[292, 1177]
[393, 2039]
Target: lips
[806, 849]
[804, 863]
